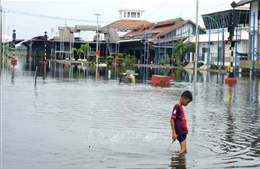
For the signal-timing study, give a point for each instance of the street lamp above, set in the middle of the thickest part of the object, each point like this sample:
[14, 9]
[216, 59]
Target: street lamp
[97, 15]
[7, 37]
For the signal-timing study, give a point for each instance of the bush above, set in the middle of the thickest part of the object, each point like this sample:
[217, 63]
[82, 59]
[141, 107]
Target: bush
[130, 60]
[110, 60]
[215, 67]
[101, 59]
[200, 64]
[120, 59]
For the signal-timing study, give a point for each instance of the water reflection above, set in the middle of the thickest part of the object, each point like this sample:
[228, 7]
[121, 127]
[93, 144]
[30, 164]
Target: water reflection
[178, 162]
[70, 100]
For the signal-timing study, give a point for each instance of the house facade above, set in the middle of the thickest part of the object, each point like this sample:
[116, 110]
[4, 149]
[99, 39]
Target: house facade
[154, 43]
[254, 27]
[214, 47]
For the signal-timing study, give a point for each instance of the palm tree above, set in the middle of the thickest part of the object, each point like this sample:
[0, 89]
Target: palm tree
[85, 47]
[79, 51]
[180, 50]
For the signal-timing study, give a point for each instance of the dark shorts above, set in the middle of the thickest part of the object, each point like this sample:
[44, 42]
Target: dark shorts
[182, 137]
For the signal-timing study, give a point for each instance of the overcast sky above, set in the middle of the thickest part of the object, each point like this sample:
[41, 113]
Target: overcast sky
[32, 18]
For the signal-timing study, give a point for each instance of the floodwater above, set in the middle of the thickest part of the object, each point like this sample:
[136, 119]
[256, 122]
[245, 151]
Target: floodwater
[73, 119]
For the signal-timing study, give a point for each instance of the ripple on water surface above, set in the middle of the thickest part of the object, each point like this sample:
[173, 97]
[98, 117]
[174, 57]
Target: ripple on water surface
[84, 123]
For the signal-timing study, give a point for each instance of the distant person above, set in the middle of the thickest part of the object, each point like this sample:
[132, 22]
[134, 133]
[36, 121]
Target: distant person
[174, 61]
[178, 121]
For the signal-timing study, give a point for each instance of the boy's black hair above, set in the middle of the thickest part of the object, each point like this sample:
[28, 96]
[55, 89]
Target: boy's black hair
[187, 94]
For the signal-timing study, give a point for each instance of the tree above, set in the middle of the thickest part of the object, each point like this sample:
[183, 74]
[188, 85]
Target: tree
[79, 51]
[192, 47]
[180, 50]
[85, 48]
[120, 59]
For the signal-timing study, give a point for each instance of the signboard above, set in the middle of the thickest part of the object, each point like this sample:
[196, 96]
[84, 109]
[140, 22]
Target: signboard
[98, 53]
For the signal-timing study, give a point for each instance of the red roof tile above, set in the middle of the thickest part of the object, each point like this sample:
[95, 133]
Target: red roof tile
[160, 28]
[125, 24]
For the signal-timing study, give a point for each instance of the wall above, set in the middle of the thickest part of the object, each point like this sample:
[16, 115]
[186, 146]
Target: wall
[184, 30]
[242, 48]
[254, 8]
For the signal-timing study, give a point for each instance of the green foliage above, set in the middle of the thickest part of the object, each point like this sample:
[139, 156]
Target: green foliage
[166, 60]
[192, 47]
[82, 50]
[67, 54]
[120, 55]
[110, 60]
[101, 59]
[215, 67]
[79, 51]
[85, 47]
[93, 59]
[180, 50]
[120, 59]
[200, 64]
[130, 60]
[7, 50]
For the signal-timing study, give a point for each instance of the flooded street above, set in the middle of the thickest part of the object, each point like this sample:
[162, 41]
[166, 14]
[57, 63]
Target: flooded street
[73, 120]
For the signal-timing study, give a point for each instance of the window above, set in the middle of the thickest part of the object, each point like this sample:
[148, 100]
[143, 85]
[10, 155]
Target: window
[133, 14]
[124, 14]
[128, 14]
[138, 15]
[204, 50]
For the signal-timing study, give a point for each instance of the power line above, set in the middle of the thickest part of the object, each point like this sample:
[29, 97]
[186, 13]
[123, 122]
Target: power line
[48, 17]
[156, 9]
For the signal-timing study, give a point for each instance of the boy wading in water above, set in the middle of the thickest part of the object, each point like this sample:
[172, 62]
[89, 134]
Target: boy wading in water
[178, 121]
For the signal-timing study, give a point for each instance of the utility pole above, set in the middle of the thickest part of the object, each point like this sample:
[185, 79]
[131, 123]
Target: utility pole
[97, 38]
[196, 42]
[231, 80]
[1, 37]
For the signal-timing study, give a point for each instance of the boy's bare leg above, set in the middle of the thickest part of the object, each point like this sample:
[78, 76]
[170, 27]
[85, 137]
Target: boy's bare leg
[183, 147]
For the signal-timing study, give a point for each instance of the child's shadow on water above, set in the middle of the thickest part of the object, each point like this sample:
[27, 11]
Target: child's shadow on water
[178, 161]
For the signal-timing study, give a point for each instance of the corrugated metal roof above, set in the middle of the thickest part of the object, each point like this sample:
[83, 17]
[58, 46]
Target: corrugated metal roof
[215, 37]
[159, 29]
[221, 8]
[243, 2]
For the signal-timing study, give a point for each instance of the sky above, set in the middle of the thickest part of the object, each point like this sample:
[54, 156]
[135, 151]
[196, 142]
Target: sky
[33, 18]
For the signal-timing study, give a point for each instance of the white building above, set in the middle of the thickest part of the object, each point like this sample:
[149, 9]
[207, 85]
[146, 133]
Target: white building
[254, 24]
[214, 47]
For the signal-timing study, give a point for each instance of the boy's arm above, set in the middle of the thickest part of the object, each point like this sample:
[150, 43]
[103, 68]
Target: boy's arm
[174, 136]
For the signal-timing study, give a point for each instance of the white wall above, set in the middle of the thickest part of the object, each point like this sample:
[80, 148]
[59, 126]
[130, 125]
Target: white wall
[254, 8]
[241, 48]
[185, 30]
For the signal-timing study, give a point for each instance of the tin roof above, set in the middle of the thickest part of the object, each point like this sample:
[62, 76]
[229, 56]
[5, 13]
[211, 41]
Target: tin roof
[159, 29]
[243, 2]
[125, 24]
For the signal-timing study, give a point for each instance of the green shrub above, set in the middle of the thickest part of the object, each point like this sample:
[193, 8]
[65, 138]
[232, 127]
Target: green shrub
[215, 67]
[101, 59]
[130, 60]
[200, 64]
[120, 59]
[110, 60]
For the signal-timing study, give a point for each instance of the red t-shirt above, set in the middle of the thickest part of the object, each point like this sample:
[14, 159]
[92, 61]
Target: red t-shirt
[179, 120]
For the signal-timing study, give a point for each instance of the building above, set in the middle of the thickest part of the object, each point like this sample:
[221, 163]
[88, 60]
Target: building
[154, 43]
[254, 25]
[214, 47]
[130, 18]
